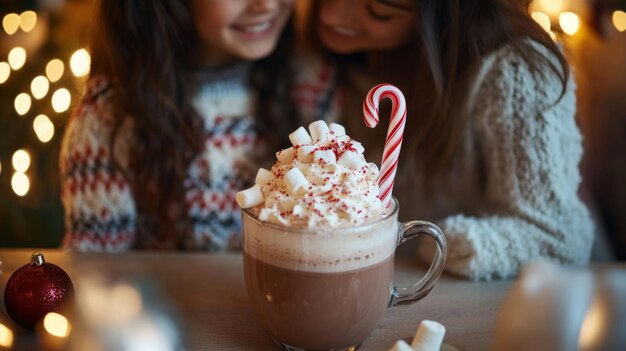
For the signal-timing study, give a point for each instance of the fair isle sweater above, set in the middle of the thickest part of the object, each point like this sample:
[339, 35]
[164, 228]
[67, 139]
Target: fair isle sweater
[511, 196]
[100, 212]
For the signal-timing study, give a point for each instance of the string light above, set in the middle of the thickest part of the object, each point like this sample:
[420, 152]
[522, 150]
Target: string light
[80, 63]
[61, 100]
[11, 23]
[22, 104]
[20, 183]
[5, 72]
[39, 87]
[570, 22]
[28, 20]
[54, 70]
[44, 128]
[619, 20]
[543, 19]
[56, 324]
[17, 58]
[21, 160]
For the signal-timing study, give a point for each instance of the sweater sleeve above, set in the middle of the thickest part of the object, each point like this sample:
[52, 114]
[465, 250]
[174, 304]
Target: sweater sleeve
[99, 209]
[531, 148]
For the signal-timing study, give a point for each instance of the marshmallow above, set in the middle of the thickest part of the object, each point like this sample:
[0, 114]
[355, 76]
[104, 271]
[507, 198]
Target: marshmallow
[324, 157]
[295, 181]
[351, 159]
[358, 147]
[305, 153]
[337, 129]
[300, 137]
[286, 156]
[429, 336]
[263, 176]
[317, 129]
[250, 197]
[401, 345]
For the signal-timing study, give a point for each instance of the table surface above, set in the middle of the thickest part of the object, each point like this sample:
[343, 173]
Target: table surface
[207, 291]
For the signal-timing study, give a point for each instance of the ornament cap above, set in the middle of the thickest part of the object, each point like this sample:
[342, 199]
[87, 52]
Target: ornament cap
[37, 259]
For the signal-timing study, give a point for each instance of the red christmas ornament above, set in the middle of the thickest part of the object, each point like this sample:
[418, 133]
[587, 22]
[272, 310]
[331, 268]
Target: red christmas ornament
[36, 289]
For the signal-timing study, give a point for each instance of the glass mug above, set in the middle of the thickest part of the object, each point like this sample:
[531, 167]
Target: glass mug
[326, 289]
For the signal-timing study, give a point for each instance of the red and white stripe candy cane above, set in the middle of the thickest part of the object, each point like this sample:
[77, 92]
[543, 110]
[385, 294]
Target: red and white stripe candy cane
[393, 142]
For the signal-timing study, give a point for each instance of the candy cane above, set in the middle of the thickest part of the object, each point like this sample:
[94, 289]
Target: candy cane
[391, 152]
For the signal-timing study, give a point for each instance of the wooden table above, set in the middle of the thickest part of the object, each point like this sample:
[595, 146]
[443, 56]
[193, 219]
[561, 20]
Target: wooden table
[208, 292]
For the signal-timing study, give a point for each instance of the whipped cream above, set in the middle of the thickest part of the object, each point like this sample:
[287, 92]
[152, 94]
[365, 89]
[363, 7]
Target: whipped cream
[322, 181]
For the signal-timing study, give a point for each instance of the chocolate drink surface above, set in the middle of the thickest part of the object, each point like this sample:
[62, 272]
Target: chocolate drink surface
[318, 311]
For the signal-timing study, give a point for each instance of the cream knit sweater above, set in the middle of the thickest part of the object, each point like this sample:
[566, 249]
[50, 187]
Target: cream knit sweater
[512, 195]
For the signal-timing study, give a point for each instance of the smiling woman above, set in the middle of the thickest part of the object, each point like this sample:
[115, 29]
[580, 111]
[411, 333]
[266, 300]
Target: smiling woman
[170, 126]
[491, 146]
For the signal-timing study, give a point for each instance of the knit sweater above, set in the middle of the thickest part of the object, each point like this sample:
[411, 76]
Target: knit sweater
[100, 211]
[511, 196]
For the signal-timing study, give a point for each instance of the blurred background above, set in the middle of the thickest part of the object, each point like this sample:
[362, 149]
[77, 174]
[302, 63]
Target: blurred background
[44, 63]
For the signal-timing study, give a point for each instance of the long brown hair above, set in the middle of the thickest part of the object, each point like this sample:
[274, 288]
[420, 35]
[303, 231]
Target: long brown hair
[452, 37]
[146, 49]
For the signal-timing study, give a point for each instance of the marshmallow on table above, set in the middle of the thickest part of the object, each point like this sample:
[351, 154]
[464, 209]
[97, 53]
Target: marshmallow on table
[324, 157]
[337, 129]
[295, 181]
[250, 197]
[401, 345]
[300, 137]
[263, 176]
[351, 159]
[429, 336]
[286, 155]
[317, 129]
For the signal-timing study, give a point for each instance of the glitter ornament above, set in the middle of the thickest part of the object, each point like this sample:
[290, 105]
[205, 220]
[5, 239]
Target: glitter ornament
[36, 289]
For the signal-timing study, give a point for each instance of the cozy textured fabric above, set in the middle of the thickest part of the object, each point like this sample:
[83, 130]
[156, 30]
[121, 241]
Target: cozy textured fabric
[511, 196]
[100, 211]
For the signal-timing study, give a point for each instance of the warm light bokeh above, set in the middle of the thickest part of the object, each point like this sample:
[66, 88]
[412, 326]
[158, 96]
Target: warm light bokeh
[20, 183]
[569, 22]
[619, 20]
[44, 128]
[54, 70]
[21, 160]
[39, 87]
[6, 336]
[5, 72]
[543, 20]
[80, 63]
[61, 100]
[10, 23]
[57, 325]
[28, 20]
[17, 58]
[22, 104]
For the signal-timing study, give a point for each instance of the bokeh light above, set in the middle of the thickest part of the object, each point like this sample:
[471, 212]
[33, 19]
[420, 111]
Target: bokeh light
[22, 104]
[5, 72]
[44, 128]
[619, 20]
[10, 23]
[552, 7]
[39, 87]
[543, 20]
[569, 22]
[21, 160]
[61, 100]
[17, 58]
[28, 20]
[56, 324]
[80, 63]
[6, 336]
[20, 183]
[54, 70]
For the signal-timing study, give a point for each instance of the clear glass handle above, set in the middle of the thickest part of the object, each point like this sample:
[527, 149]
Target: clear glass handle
[419, 290]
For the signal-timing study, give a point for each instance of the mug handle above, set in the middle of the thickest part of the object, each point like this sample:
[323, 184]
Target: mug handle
[419, 290]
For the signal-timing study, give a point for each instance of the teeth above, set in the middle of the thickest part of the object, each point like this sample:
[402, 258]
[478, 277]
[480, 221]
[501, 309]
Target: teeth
[345, 31]
[256, 28]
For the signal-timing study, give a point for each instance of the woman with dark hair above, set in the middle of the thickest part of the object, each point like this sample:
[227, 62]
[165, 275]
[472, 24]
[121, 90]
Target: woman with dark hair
[491, 147]
[173, 122]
